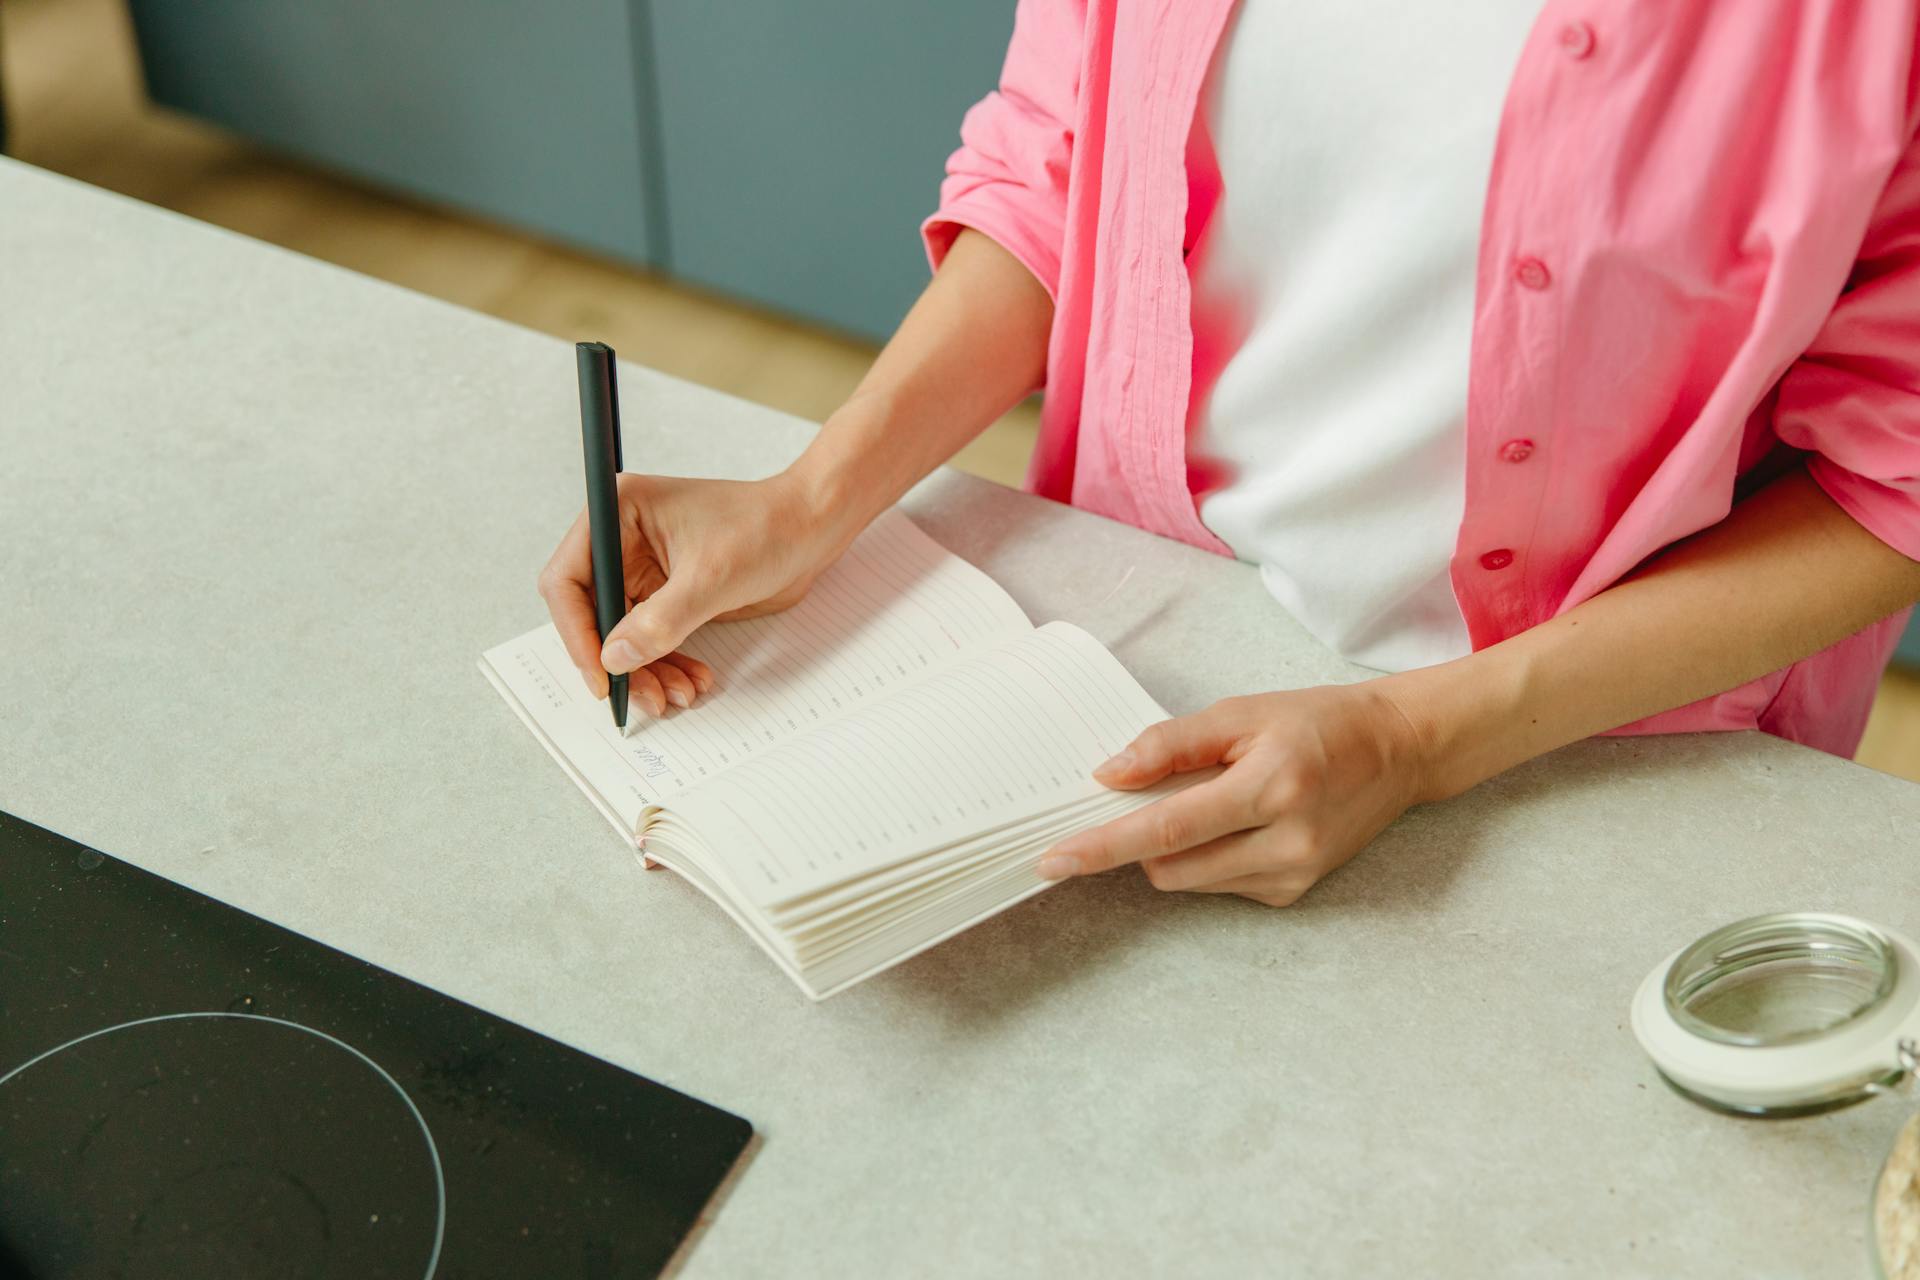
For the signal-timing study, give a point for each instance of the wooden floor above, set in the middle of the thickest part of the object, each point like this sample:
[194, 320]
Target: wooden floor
[76, 106]
[1892, 743]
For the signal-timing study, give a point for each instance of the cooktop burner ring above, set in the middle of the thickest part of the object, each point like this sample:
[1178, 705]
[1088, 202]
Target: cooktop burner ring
[426, 1134]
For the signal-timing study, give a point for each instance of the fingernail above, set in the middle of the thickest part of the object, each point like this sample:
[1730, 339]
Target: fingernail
[1119, 764]
[679, 698]
[1057, 866]
[619, 655]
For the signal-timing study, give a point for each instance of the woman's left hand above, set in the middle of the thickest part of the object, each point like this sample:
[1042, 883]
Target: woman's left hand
[1311, 776]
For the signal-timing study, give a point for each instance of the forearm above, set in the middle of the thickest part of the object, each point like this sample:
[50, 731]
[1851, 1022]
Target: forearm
[972, 346]
[1786, 574]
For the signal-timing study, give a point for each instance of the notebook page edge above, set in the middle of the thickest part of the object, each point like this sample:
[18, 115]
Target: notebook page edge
[736, 913]
[1061, 626]
[896, 515]
[978, 918]
[989, 864]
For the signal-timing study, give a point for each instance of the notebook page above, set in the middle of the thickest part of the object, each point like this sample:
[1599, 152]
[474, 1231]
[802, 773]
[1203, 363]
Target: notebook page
[1008, 732]
[896, 606]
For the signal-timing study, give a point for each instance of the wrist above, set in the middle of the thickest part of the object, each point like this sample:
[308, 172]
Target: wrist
[832, 484]
[1463, 719]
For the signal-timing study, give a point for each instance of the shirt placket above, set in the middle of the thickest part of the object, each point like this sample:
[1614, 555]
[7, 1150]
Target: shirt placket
[1513, 457]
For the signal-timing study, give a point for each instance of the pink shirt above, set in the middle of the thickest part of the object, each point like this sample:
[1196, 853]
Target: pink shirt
[1701, 243]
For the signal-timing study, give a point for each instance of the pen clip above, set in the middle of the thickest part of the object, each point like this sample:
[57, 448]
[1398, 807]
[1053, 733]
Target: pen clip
[613, 400]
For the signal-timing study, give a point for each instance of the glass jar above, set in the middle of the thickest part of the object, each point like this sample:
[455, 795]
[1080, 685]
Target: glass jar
[1794, 1014]
[1783, 1015]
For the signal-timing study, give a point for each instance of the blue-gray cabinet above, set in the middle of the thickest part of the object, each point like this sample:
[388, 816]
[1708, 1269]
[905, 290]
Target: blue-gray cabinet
[782, 152]
[529, 112]
[805, 142]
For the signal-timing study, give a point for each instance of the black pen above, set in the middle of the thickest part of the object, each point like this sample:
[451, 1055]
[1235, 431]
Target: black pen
[600, 439]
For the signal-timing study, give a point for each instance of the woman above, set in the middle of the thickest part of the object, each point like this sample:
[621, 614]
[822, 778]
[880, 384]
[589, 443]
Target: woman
[1671, 483]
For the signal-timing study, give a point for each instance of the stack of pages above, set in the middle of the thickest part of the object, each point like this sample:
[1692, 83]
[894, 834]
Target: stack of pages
[875, 770]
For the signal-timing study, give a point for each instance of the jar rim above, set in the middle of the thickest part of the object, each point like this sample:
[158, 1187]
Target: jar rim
[1812, 937]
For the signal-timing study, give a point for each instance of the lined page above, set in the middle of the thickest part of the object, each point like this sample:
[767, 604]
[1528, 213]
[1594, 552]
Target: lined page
[1004, 734]
[895, 607]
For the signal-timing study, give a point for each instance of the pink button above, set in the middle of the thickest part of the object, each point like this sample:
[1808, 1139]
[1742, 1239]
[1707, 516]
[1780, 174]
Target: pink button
[1532, 273]
[1576, 40]
[1516, 451]
[1499, 559]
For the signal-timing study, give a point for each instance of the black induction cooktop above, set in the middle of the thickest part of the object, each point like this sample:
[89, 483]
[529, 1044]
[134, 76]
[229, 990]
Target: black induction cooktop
[189, 1091]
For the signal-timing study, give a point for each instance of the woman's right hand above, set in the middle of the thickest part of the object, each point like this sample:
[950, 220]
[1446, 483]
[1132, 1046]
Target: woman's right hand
[693, 551]
[696, 550]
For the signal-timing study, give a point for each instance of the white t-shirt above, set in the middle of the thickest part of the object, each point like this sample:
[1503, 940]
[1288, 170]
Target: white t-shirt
[1334, 282]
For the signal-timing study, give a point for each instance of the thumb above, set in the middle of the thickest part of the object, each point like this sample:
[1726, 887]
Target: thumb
[1172, 746]
[656, 626]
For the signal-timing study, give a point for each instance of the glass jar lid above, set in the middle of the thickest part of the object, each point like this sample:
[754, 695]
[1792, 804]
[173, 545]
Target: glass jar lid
[1783, 1014]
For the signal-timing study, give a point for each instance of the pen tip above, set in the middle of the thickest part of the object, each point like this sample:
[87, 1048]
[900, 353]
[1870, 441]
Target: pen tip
[617, 702]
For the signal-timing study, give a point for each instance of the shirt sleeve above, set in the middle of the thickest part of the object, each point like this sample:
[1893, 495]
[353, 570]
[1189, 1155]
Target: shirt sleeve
[1008, 180]
[1852, 399]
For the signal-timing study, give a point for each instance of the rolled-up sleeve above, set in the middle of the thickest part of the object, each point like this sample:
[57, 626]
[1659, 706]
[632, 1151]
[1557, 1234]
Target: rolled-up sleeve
[1852, 399]
[1008, 180]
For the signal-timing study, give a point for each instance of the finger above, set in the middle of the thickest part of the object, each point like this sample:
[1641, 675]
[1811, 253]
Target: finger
[656, 626]
[699, 672]
[1274, 889]
[644, 688]
[1180, 821]
[675, 683]
[570, 603]
[1243, 853]
[1171, 746]
[573, 618]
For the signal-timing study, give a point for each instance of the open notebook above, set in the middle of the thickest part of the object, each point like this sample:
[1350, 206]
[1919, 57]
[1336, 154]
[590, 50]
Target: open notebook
[875, 770]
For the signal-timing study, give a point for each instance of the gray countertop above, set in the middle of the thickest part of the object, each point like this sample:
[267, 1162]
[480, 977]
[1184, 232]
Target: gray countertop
[258, 517]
